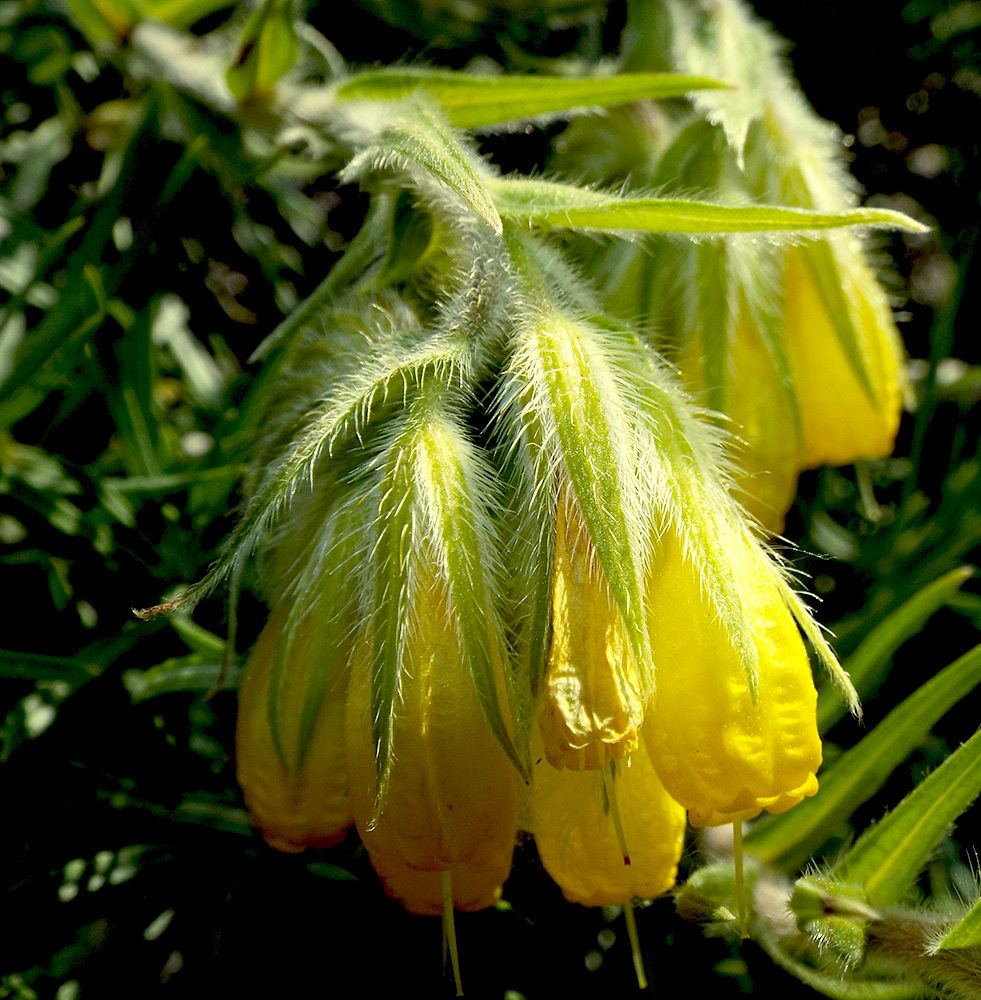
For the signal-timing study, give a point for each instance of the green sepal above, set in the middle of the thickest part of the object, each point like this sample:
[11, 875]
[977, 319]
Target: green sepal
[325, 599]
[723, 38]
[530, 520]
[687, 475]
[389, 574]
[266, 52]
[452, 482]
[711, 894]
[413, 136]
[966, 933]
[867, 664]
[789, 839]
[566, 206]
[889, 855]
[816, 898]
[475, 102]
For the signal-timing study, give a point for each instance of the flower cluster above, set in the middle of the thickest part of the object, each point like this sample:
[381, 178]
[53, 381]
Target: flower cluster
[510, 586]
[575, 615]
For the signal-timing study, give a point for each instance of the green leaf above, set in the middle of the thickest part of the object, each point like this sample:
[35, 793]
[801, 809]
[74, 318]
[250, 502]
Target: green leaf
[889, 855]
[183, 673]
[37, 667]
[867, 664]
[789, 839]
[414, 137]
[472, 101]
[966, 933]
[104, 20]
[566, 206]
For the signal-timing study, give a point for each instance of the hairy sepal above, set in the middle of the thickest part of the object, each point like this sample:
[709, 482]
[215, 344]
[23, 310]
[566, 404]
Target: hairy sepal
[574, 393]
[412, 136]
[455, 493]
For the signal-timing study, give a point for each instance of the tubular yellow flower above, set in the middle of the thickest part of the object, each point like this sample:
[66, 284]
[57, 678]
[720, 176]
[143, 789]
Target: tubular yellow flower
[593, 704]
[574, 826]
[451, 801]
[718, 752]
[305, 806]
[842, 420]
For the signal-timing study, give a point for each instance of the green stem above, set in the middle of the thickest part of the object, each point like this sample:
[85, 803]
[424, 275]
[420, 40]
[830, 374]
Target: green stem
[628, 915]
[449, 929]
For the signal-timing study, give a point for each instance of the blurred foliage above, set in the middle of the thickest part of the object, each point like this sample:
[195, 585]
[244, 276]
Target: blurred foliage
[148, 244]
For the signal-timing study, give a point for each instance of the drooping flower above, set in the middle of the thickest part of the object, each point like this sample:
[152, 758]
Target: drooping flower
[593, 703]
[451, 799]
[575, 815]
[846, 367]
[721, 748]
[290, 740]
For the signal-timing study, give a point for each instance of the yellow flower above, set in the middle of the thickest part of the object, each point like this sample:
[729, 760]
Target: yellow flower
[842, 421]
[593, 703]
[767, 450]
[572, 818]
[450, 802]
[719, 752]
[303, 805]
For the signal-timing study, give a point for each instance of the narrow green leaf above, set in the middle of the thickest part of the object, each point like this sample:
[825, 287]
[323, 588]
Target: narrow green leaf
[791, 838]
[184, 673]
[472, 101]
[415, 138]
[889, 855]
[547, 203]
[866, 665]
[199, 639]
[37, 667]
[966, 933]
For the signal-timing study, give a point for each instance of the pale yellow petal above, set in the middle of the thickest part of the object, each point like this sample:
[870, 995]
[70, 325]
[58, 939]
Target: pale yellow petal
[309, 808]
[574, 829]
